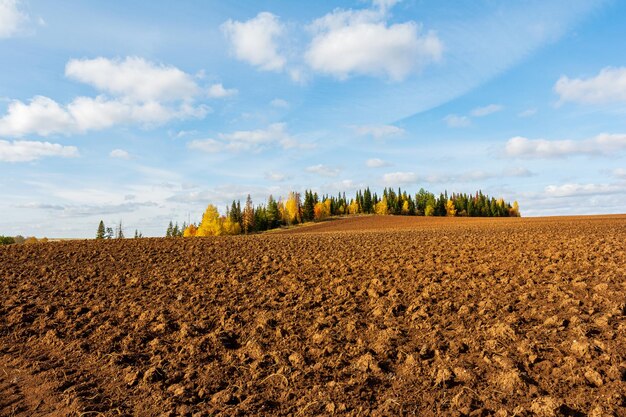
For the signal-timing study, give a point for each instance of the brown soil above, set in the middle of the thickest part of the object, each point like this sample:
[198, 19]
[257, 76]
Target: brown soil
[376, 316]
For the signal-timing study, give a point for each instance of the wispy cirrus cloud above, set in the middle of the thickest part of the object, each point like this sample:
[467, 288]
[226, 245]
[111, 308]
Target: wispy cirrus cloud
[275, 135]
[486, 110]
[323, 170]
[379, 131]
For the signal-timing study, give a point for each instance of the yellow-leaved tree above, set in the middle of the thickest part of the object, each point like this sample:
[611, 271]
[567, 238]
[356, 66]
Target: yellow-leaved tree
[405, 207]
[353, 208]
[230, 227]
[381, 207]
[292, 208]
[211, 224]
[514, 211]
[190, 231]
[450, 209]
[322, 210]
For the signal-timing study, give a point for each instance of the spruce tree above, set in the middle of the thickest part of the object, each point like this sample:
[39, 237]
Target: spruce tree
[101, 231]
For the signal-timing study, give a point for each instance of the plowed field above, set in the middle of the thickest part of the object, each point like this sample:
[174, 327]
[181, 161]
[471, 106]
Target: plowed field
[378, 316]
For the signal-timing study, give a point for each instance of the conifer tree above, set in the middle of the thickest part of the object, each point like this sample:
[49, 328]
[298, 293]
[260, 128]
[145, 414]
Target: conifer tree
[273, 215]
[101, 231]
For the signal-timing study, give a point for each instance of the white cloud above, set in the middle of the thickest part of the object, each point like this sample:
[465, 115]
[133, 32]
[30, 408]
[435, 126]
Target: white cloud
[323, 170]
[609, 86]
[218, 91]
[541, 148]
[275, 176]
[279, 103]
[206, 145]
[25, 151]
[255, 41]
[574, 189]
[44, 116]
[527, 113]
[487, 110]
[619, 173]
[144, 93]
[398, 178]
[378, 131]
[453, 120]
[11, 18]
[133, 78]
[349, 42]
[119, 154]
[376, 163]
[275, 135]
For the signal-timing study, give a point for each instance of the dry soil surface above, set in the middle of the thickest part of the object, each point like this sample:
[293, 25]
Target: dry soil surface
[377, 316]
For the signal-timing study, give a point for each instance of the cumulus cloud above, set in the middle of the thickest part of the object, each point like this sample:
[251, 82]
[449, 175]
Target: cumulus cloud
[376, 163]
[602, 144]
[361, 42]
[575, 189]
[133, 78]
[323, 170]
[487, 110]
[399, 178]
[256, 41]
[119, 154]
[275, 135]
[25, 151]
[44, 116]
[453, 120]
[11, 18]
[218, 91]
[378, 131]
[142, 92]
[609, 86]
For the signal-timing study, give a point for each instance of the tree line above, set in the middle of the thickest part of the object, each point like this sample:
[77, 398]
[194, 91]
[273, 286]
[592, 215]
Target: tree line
[20, 240]
[104, 232]
[314, 207]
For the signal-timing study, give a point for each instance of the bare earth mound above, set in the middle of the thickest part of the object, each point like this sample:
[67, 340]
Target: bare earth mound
[364, 316]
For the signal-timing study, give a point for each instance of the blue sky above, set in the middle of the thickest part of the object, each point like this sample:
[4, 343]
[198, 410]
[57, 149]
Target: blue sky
[145, 112]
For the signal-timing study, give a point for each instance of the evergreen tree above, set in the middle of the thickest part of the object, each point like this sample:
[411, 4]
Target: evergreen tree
[101, 231]
[120, 231]
[367, 201]
[109, 233]
[170, 230]
[308, 213]
[272, 213]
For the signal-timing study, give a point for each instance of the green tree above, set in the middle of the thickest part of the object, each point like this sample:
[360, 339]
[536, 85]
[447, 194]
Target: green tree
[101, 231]
[272, 213]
